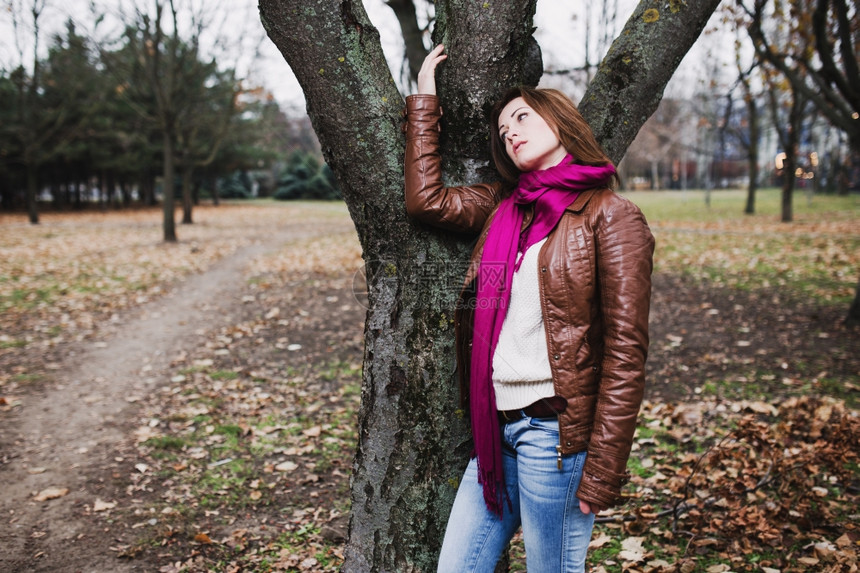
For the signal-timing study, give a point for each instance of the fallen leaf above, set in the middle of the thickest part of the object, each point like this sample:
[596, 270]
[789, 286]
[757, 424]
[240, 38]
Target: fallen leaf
[313, 432]
[51, 493]
[600, 541]
[286, 466]
[823, 549]
[689, 414]
[632, 549]
[100, 505]
[761, 408]
[658, 566]
[203, 538]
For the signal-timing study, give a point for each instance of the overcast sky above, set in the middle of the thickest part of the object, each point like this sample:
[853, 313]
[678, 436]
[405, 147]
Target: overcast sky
[560, 31]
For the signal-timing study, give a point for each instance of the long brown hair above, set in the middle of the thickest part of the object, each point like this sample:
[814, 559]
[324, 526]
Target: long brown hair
[563, 118]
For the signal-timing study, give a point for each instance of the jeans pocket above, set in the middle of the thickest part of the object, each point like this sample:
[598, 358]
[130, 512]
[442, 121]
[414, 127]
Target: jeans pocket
[545, 424]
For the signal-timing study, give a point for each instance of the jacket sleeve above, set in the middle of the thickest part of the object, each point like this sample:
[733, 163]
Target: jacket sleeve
[462, 209]
[625, 249]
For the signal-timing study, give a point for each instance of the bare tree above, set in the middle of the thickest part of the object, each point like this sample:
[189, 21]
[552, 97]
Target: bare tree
[413, 440]
[814, 45]
[176, 90]
[202, 129]
[749, 133]
[159, 55]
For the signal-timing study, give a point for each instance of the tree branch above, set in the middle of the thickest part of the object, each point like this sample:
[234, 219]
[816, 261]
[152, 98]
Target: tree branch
[629, 84]
[849, 84]
[827, 100]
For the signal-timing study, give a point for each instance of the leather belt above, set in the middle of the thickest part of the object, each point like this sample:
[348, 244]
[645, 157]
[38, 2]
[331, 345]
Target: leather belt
[544, 408]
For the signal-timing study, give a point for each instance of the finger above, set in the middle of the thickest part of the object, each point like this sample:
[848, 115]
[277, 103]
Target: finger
[584, 507]
[429, 65]
[435, 56]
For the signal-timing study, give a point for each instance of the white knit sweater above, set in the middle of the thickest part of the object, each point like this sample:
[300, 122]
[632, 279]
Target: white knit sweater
[521, 372]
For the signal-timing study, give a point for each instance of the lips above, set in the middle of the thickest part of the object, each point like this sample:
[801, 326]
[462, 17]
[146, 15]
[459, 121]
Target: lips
[517, 146]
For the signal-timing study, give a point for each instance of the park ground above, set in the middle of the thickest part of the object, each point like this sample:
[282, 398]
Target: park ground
[192, 406]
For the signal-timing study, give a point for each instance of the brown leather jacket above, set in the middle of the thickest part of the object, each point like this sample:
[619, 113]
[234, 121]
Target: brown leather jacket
[595, 285]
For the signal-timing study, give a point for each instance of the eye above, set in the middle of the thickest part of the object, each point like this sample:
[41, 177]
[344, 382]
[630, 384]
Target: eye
[522, 116]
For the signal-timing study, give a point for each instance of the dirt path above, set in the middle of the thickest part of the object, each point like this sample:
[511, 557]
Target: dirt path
[80, 419]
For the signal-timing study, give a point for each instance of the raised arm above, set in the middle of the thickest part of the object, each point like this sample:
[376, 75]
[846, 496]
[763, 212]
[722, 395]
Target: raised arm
[427, 73]
[462, 209]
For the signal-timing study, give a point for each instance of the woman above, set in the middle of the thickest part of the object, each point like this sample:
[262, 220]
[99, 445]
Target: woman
[552, 326]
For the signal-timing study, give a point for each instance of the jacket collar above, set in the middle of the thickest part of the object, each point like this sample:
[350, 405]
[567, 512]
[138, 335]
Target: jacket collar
[582, 200]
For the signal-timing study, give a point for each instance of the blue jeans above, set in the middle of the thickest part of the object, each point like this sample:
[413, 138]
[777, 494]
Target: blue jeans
[555, 532]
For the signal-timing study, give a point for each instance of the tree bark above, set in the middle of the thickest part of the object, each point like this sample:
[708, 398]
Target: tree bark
[187, 195]
[786, 201]
[413, 438]
[792, 138]
[32, 193]
[752, 153]
[853, 318]
[168, 199]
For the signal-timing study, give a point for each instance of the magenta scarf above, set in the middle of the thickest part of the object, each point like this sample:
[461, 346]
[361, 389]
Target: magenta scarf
[552, 191]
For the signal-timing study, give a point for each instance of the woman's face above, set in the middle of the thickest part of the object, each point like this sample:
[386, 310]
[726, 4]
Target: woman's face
[529, 141]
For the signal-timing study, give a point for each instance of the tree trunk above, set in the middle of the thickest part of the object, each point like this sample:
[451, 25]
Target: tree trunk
[125, 193]
[187, 196]
[795, 117]
[168, 189]
[32, 193]
[786, 206]
[148, 188]
[413, 438]
[752, 155]
[853, 318]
